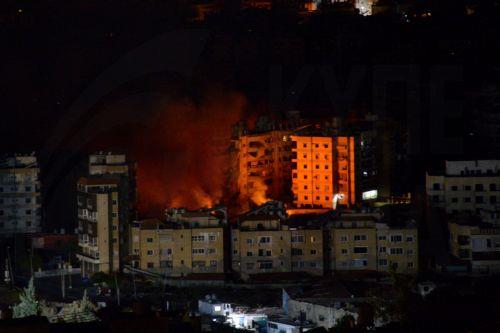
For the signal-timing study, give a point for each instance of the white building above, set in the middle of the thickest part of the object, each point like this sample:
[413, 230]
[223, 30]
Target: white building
[247, 320]
[20, 199]
[285, 325]
[210, 306]
[467, 186]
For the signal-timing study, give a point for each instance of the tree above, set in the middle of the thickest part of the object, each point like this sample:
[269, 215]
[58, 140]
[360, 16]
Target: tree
[28, 305]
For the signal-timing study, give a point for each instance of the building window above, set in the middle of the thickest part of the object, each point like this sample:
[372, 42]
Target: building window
[360, 249]
[149, 240]
[479, 187]
[382, 249]
[265, 239]
[249, 241]
[250, 265]
[211, 251]
[235, 252]
[382, 262]
[410, 264]
[396, 238]
[454, 188]
[493, 187]
[479, 199]
[454, 200]
[150, 252]
[198, 238]
[151, 265]
[381, 238]
[436, 186]
[467, 199]
[409, 238]
[313, 252]
[343, 251]
[198, 251]
[396, 250]
[249, 254]
[493, 199]
[27, 188]
[359, 237]
[344, 238]
[266, 265]
[297, 252]
[297, 239]
[467, 187]
[264, 253]
[409, 252]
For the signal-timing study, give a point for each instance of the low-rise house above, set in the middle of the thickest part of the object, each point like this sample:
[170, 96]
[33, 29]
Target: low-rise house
[281, 324]
[211, 306]
[322, 307]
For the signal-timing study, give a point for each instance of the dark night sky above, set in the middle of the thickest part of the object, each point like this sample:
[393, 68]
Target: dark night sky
[52, 52]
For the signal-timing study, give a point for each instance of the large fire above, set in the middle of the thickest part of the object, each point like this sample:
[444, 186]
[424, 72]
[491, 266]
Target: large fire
[183, 160]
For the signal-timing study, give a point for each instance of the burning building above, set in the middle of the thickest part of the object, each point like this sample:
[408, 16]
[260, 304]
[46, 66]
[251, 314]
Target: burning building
[323, 171]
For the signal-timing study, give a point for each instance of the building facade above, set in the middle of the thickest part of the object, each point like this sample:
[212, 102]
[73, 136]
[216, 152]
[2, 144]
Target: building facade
[467, 186]
[98, 225]
[323, 171]
[364, 242]
[20, 197]
[477, 244]
[261, 244]
[106, 200]
[178, 249]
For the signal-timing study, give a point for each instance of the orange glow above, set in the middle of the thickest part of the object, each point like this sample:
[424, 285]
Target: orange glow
[182, 159]
[323, 167]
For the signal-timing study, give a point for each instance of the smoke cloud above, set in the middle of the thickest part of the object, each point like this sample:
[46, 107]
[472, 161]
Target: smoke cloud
[183, 158]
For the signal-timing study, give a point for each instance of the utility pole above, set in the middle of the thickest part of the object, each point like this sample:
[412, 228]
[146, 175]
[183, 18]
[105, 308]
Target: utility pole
[10, 268]
[63, 288]
[117, 291]
[135, 289]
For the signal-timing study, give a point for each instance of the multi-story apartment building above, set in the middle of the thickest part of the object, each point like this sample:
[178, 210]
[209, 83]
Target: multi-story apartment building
[363, 242]
[98, 225]
[475, 243]
[20, 199]
[397, 247]
[106, 199]
[264, 168]
[323, 171]
[467, 186]
[178, 248]
[262, 244]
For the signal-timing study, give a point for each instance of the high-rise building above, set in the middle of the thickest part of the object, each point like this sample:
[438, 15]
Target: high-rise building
[264, 169]
[20, 198]
[106, 202]
[323, 171]
[98, 225]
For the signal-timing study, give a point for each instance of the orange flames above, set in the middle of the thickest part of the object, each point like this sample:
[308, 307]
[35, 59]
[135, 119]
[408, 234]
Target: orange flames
[183, 160]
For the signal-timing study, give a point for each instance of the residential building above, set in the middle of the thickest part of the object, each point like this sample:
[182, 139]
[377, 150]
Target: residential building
[98, 225]
[467, 186]
[179, 248]
[106, 199]
[264, 169]
[476, 243]
[397, 247]
[321, 307]
[323, 171]
[353, 242]
[369, 242]
[20, 198]
[262, 244]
